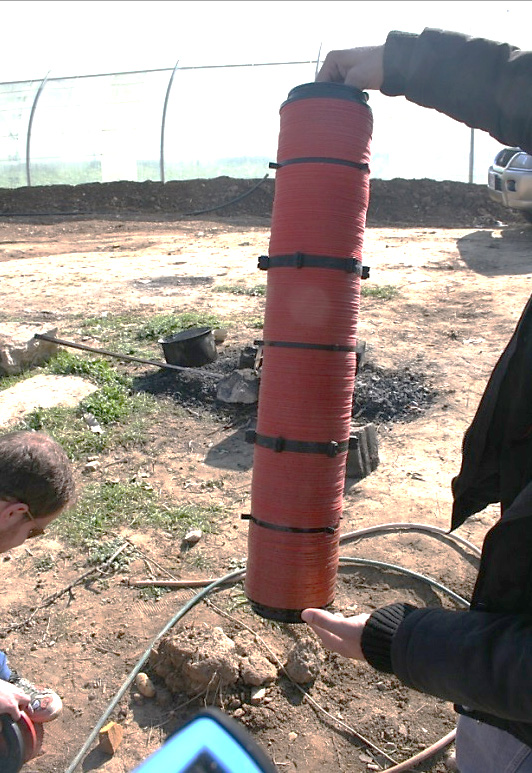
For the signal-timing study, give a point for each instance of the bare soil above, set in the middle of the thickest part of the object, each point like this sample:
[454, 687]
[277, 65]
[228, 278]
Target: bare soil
[463, 269]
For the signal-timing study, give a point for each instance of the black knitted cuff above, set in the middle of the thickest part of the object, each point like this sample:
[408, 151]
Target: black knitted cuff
[397, 54]
[378, 633]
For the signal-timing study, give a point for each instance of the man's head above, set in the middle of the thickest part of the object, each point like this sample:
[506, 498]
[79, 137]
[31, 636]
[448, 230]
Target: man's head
[36, 484]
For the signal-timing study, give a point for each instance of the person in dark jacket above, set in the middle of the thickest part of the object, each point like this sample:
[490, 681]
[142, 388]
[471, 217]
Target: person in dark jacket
[480, 659]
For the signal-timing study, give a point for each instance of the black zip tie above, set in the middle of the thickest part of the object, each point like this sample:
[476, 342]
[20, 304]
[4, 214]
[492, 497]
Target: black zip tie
[303, 260]
[319, 160]
[291, 529]
[300, 345]
[332, 448]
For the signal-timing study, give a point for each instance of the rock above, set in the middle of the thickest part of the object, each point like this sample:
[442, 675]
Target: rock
[110, 737]
[41, 392]
[92, 466]
[257, 695]
[196, 658]
[363, 453]
[256, 670]
[145, 685]
[304, 661]
[220, 334]
[92, 423]
[292, 736]
[248, 357]
[242, 386]
[20, 350]
[193, 536]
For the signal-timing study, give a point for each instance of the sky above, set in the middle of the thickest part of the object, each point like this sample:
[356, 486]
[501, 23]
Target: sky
[81, 37]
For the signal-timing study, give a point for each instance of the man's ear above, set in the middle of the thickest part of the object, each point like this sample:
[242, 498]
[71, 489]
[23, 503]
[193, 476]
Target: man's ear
[10, 511]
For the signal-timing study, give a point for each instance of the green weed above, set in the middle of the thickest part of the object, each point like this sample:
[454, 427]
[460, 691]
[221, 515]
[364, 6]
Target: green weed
[104, 507]
[99, 371]
[67, 427]
[382, 292]
[163, 325]
[256, 290]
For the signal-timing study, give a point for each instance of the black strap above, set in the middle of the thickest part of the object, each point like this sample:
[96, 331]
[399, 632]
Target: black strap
[292, 529]
[332, 448]
[300, 345]
[319, 160]
[303, 260]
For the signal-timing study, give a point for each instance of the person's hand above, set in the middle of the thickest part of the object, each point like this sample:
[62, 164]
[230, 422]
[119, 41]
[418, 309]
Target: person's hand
[13, 700]
[359, 67]
[338, 633]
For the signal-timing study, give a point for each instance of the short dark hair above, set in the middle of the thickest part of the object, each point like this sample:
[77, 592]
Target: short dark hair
[35, 470]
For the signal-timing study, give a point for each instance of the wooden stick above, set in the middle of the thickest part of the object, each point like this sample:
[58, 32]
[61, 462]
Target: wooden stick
[172, 583]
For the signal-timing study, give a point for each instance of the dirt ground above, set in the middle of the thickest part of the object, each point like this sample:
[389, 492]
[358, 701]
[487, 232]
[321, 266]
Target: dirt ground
[464, 272]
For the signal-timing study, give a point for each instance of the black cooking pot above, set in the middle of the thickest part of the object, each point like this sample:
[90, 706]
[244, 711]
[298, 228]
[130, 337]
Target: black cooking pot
[191, 348]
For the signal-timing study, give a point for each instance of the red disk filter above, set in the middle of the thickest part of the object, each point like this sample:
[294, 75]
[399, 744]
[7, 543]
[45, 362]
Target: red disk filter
[313, 269]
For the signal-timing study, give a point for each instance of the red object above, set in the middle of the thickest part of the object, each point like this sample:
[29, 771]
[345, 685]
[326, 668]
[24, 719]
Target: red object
[309, 362]
[20, 741]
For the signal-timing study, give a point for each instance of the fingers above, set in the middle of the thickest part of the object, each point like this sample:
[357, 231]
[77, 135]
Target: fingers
[13, 700]
[359, 67]
[338, 633]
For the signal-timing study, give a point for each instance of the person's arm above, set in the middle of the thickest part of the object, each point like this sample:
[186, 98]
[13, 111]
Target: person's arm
[13, 700]
[477, 659]
[482, 83]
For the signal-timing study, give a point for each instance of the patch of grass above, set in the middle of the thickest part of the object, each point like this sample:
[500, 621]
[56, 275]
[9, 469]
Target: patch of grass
[69, 430]
[256, 290]
[153, 593]
[162, 325]
[102, 508]
[256, 323]
[382, 292]
[108, 405]
[67, 427]
[100, 552]
[44, 564]
[98, 370]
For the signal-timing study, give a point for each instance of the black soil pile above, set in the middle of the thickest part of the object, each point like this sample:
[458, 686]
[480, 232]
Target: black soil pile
[394, 203]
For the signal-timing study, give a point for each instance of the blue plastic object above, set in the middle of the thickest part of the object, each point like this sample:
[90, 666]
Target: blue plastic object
[211, 742]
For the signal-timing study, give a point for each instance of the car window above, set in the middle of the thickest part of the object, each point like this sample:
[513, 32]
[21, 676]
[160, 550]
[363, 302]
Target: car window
[504, 156]
[521, 161]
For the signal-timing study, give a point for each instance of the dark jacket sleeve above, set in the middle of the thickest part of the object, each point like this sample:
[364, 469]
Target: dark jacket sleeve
[482, 83]
[476, 659]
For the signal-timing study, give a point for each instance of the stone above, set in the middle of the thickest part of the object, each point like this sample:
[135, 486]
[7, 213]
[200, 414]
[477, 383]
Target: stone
[41, 392]
[145, 685]
[248, 357]
[256, 670]
[193, 536]
[363, 452]
[257, 695]
[20, 350]
[110, 737]
[304, 661]
[242, 386]
[220, 334]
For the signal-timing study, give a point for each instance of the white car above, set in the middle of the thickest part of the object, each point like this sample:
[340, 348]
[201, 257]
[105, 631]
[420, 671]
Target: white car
[510, 180]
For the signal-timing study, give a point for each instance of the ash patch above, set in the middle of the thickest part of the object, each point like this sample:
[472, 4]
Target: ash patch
[381, 395]
[177, 281]
[385, 395]
[196, 389]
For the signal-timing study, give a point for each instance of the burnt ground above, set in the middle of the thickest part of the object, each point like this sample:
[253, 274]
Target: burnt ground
[461, 268]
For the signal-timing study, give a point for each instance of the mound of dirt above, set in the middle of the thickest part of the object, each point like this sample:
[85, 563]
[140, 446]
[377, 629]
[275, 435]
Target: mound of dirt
[396, 202]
